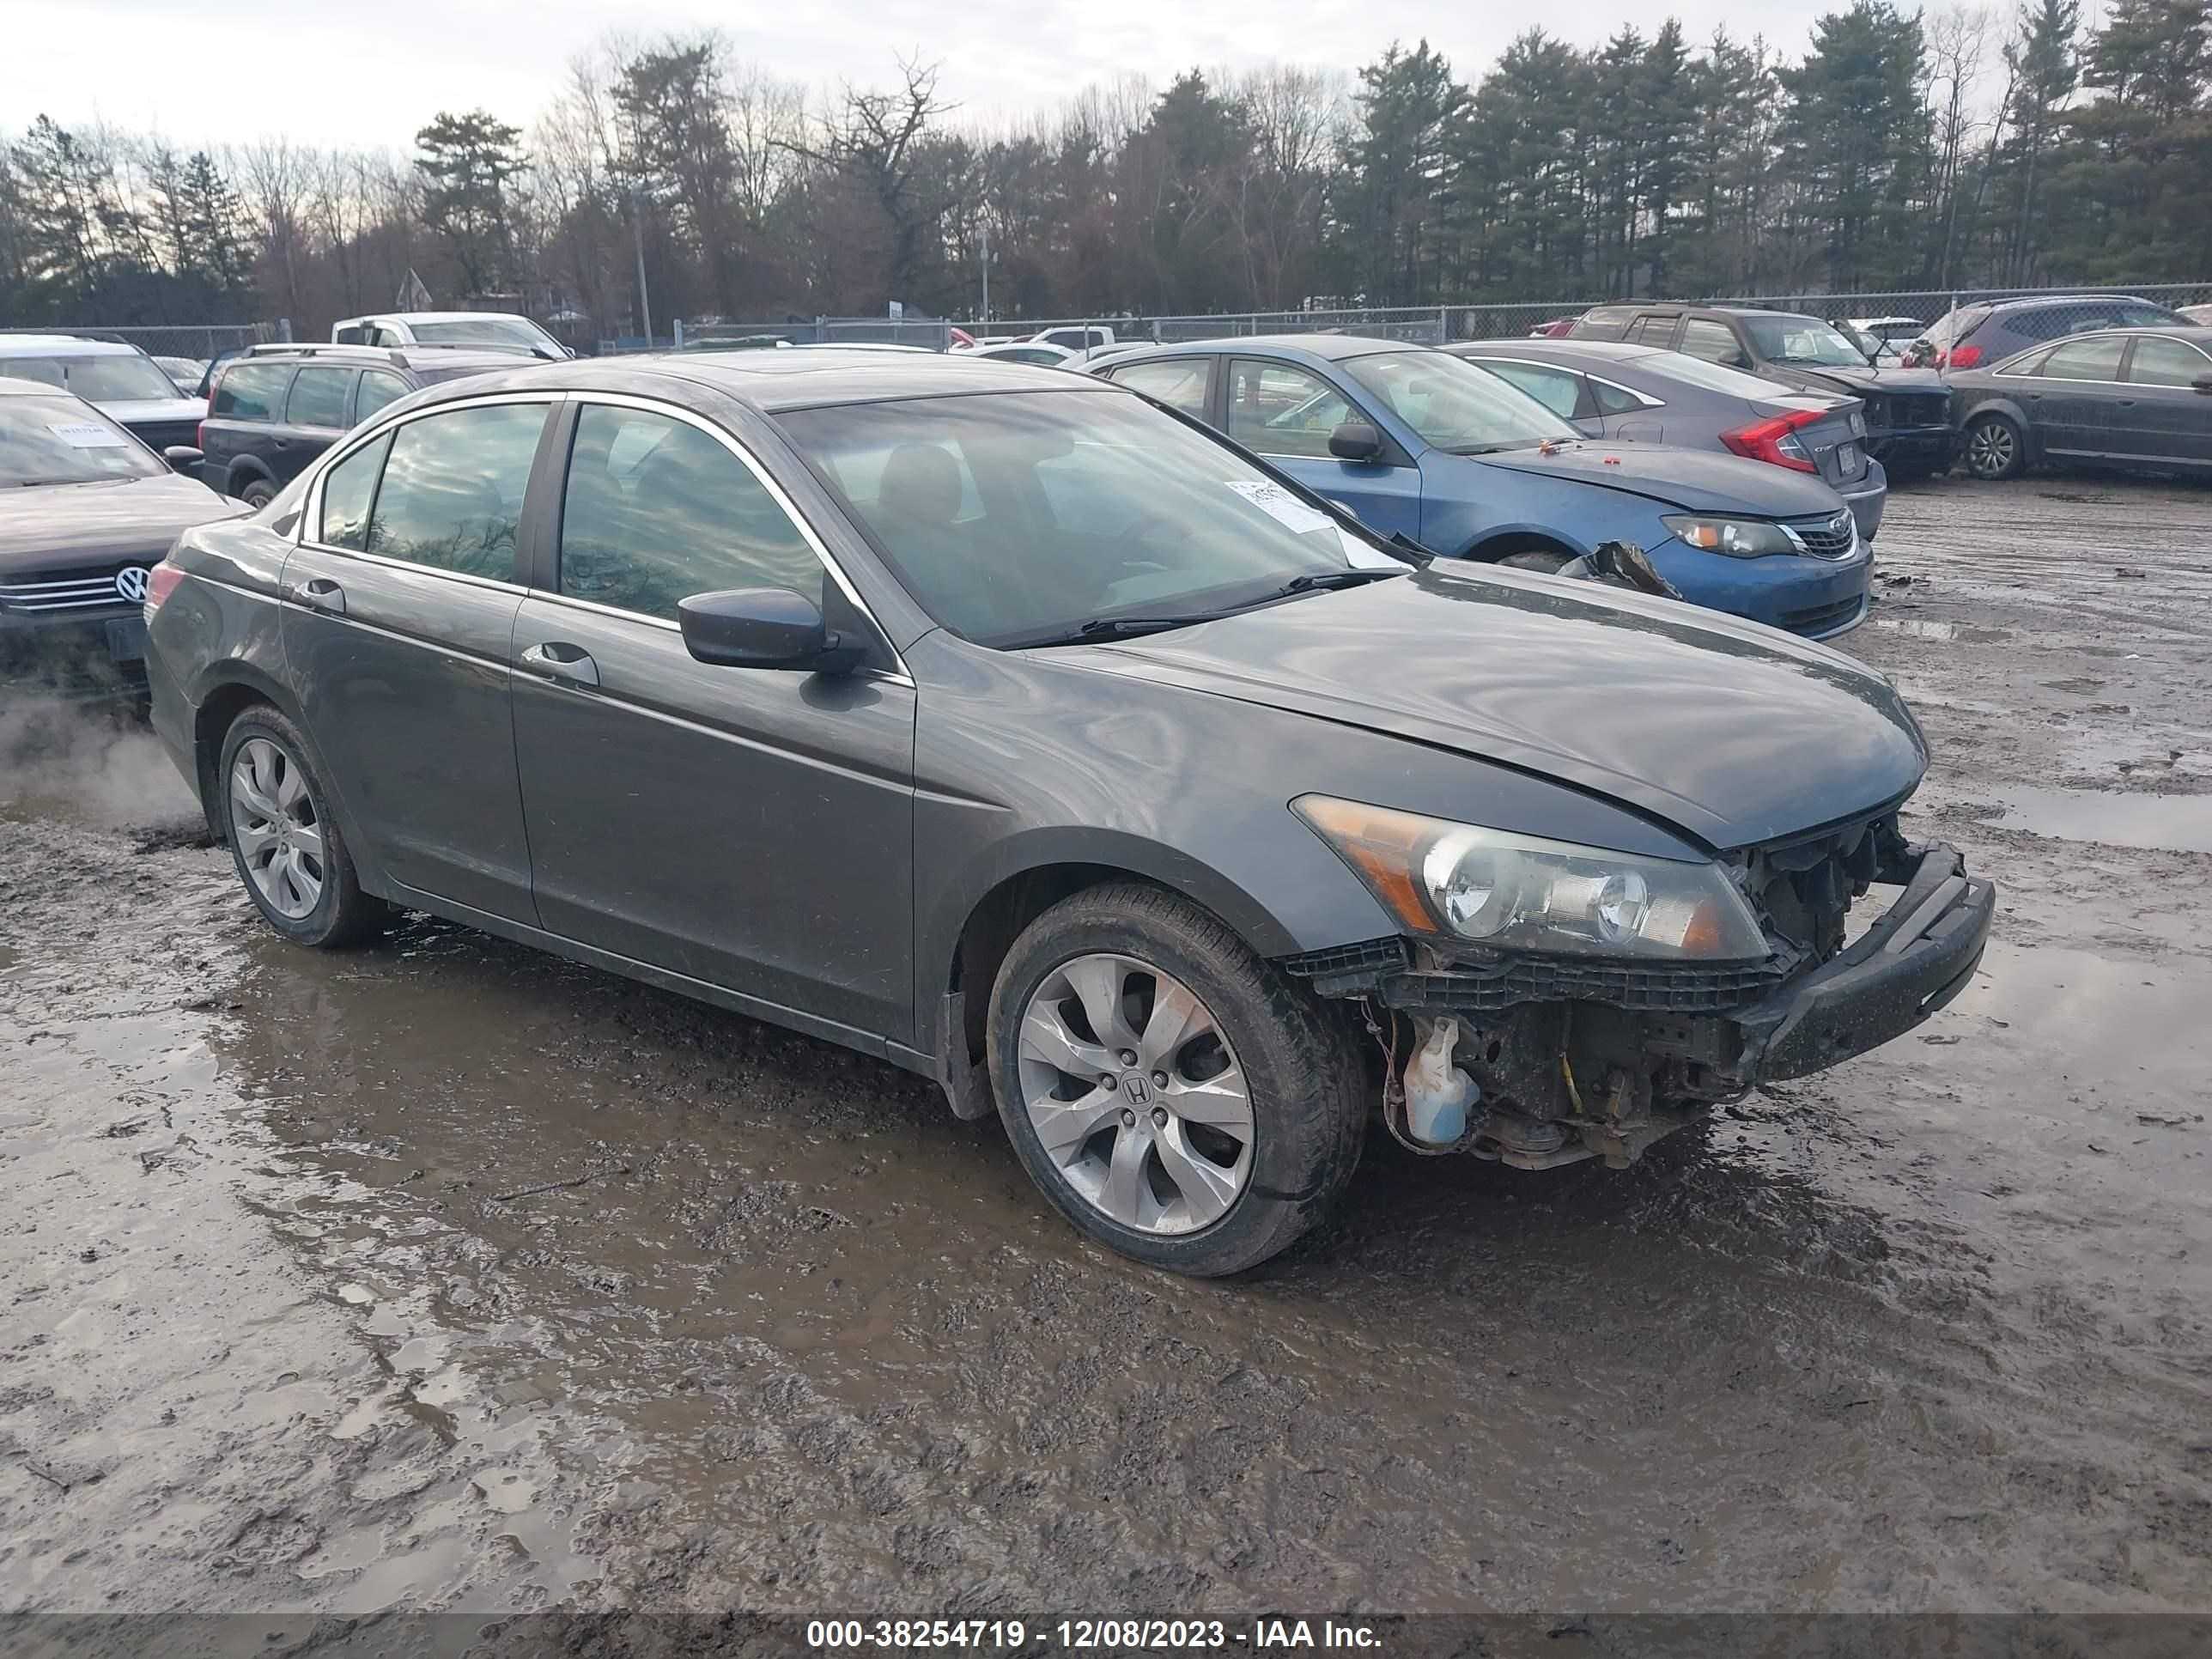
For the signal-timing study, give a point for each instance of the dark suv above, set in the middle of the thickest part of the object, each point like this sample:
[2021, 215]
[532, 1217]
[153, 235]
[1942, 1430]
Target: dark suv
[1908, 411]
[1986, 332]
[273, 408]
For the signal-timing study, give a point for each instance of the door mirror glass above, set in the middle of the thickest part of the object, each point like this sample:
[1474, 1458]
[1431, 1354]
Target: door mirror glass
[763, 627]
[1355, 440]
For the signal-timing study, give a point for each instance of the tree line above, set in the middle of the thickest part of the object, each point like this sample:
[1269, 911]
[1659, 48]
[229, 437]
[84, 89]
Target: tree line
[1929, 149]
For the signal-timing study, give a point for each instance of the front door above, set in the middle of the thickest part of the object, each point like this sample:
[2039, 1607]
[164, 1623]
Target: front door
[746, 827]
[399, 613]
[2077, 397]
[1286, 413]
[2168, 416]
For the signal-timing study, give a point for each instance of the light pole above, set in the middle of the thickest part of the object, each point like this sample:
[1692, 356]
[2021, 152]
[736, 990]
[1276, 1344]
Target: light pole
[637, 233]
[985, 227]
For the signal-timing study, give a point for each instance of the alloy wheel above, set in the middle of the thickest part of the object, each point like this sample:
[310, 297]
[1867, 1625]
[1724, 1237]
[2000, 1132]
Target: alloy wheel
[278, 832]
[1135, 1094]
[1990, 448]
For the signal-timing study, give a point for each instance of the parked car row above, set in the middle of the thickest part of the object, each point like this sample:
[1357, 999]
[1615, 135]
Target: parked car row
[1084, 750]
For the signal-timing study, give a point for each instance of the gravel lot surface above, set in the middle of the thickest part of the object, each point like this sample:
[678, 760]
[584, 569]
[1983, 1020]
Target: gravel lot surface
[445, 1275]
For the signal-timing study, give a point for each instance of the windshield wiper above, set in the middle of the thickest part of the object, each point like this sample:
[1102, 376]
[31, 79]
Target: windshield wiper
[1101, 629]
[1322, 581]
[1517, 443]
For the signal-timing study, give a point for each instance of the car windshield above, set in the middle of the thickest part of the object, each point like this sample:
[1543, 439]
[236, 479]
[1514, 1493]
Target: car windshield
[1454, 406]
[1803, 340]
[122, 377]
[1015, 518]
[57, 440]
[484, 331]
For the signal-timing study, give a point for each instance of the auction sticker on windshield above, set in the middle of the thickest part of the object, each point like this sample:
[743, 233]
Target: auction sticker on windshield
[87, 435]
[1286, 509]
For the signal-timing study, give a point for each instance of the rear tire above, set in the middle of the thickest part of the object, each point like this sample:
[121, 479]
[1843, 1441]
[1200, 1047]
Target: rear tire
[285, 843]
[259, 493]
[1996, 448]
[1251, 1138]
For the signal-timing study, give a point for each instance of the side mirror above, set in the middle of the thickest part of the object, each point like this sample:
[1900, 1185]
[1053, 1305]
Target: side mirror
[183, 458]
[764, 628]
[2203, 383]
[1355, 440]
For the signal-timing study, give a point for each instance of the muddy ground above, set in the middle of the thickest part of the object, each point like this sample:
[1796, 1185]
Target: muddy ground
[446, 1275]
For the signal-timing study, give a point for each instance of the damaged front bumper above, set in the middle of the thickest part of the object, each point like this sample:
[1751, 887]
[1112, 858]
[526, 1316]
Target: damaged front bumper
[1578, 1057]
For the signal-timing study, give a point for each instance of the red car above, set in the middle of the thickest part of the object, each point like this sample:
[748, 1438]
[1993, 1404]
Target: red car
[1557, 328]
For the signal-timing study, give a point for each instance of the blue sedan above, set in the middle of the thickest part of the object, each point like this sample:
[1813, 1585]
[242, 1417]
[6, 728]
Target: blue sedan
[1420, 444]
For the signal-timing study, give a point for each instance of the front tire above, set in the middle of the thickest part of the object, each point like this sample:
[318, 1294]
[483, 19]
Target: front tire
[1176, 1098]
[1537, 559]
[1996, 447]
[259, 493]
[284, 842]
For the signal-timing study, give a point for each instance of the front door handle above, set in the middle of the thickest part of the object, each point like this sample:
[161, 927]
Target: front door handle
[556, 659]
[321, 593]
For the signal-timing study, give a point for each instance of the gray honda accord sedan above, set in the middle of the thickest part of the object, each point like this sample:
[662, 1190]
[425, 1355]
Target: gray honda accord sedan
[1007, 726]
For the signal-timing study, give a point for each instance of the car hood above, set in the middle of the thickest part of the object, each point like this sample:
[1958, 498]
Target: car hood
[57, 526]
[1856, 382]
[134, 412]
[1732, 733]
[1695, 480]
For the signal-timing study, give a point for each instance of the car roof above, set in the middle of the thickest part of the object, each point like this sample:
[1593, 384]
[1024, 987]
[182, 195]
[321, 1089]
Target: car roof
[415, 357]
[1618, 351]
[430, 317]
[770, 382]
[1332, 348]
[2197, 334]
[64, 345]
[2024, 300]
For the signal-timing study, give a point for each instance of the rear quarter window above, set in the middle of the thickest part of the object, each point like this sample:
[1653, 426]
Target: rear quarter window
[251, 392]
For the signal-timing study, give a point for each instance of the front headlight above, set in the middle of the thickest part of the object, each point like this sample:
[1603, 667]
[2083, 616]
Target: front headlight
[1741, 538]
[1522, 893]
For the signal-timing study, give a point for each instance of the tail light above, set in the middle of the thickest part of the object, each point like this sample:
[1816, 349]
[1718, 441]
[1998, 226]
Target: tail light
[161, 581]
[1961, 357]
[1776, 441]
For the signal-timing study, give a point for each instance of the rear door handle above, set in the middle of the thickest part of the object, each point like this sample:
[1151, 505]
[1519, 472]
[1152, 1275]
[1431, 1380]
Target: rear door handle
[321, 593]
[556, 659]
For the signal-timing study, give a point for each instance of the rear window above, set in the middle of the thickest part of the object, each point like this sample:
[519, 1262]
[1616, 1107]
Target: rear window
[251, 392]
[1713, 377]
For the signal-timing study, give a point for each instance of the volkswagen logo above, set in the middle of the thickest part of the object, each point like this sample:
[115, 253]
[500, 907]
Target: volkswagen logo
[130, 583]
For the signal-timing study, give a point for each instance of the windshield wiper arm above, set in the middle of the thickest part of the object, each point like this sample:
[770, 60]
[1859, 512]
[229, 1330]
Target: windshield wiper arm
[1321, 581]
[1101, 629]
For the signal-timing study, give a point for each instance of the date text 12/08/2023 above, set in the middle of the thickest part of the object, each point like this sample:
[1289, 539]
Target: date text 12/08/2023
[1079, 1635]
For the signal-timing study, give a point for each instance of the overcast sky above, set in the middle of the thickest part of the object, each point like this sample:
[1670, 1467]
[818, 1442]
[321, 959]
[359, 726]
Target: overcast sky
[370, 72]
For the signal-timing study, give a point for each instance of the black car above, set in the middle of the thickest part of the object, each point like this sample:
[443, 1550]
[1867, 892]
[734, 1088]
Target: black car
[1985, 332]
[2140, 399]
[85, 513]
[271, 409]
[996, 722]
[1907, 410]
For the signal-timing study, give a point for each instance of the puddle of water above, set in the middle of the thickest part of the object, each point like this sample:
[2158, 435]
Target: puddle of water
[2172, 824]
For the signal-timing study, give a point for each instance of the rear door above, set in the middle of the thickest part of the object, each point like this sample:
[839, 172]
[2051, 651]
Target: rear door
[399, 619]
[1286, 412]
[749, 829]
[2076, 397]
[2167, 417]
[242, 421]
[379, 386]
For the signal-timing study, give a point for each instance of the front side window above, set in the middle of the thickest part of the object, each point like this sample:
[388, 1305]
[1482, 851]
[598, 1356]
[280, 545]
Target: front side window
[2086, 360]
[1180, 383]
[452, 489]
[318, 397]
[1086, 507]
[656, 510]
[251, 392]
[2168, 362]
[56, 439]
[1456, 406]
[1278, 409]
[1712, 343]
[348, 490]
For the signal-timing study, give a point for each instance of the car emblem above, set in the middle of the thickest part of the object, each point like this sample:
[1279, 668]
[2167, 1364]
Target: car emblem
[1133, 1086]
[131, 582]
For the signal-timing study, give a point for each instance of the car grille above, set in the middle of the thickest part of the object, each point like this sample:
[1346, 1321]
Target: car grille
[1802, 889]
[158, 435]
[91, 588]
[1820, 618]
[1832, 535]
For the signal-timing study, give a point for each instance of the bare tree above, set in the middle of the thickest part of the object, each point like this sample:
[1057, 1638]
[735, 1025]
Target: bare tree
[1958, 53]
